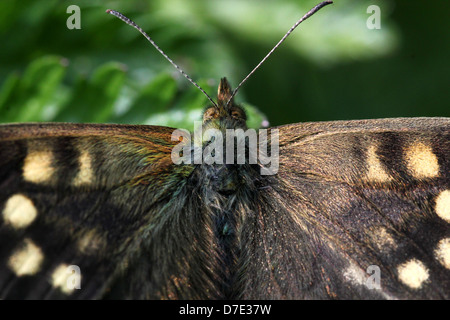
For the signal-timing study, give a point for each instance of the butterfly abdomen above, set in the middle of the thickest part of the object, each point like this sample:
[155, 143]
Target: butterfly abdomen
[220, 189]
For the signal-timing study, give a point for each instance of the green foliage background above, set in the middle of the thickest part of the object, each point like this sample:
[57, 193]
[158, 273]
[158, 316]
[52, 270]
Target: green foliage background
[333, 67]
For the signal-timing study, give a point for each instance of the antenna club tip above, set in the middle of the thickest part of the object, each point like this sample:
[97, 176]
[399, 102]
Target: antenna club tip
[325, 3]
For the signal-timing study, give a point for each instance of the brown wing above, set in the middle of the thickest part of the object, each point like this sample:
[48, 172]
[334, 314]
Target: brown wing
[352, 202]
[82, 195]
[358, 209]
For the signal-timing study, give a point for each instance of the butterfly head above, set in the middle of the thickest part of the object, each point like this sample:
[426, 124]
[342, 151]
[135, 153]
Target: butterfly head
[225, 114]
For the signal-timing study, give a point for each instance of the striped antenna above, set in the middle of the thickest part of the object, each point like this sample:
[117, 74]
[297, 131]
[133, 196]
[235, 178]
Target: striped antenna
[134, 25]
[306, 16]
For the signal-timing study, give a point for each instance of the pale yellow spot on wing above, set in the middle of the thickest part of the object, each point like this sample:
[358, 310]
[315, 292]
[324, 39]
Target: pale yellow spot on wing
[38, 166]
[421, 161]
[60, 277]
[413, 273]
[383, 239]
[442, 252]
[85, 173]
[27, 260]
[376, 170]
[355, 274]
[442, 207]
[91, 242]
[19, 211]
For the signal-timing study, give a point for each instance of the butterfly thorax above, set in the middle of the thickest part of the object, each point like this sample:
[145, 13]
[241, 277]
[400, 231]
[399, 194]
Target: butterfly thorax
[222, 185]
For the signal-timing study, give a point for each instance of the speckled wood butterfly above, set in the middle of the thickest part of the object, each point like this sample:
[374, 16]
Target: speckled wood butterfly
[357, 210]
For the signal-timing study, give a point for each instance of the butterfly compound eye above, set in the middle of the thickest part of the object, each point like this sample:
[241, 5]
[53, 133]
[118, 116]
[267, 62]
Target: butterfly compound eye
[238, 114]
[210, 113]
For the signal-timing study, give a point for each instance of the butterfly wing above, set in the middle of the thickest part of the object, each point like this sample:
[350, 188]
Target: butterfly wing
[358, 209]
[80, 200]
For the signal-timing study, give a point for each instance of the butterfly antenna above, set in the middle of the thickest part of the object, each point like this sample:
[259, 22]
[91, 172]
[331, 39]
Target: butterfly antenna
[306, 16]
[134, 25]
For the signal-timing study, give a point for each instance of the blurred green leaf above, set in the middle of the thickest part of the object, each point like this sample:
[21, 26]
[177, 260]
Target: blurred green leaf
[8, 93]
[29, 98]
[154, 97]
[93, 99]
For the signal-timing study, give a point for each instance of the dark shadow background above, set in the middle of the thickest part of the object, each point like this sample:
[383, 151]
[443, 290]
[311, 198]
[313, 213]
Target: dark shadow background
[333, 67]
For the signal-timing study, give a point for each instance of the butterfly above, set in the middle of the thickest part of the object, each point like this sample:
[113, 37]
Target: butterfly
[356, 210]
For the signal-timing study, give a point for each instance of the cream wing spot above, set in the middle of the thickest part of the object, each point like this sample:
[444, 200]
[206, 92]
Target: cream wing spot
[413, 273]
[60, 278]
[355, 275]
[376, 171]
[38, 164]
[383, 239]
[85, 174]
[91, 242]
[27, 260]
[421, 161]
[442, 252]
[442, 207]
[19, 211]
